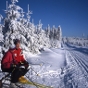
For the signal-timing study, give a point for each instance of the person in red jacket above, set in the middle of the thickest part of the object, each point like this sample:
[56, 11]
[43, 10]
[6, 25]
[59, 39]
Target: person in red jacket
[15, 63]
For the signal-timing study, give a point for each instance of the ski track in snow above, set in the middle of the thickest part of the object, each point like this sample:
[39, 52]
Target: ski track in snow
[79, 75]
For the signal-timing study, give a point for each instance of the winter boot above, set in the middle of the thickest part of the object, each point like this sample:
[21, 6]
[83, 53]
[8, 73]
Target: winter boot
[22, 79]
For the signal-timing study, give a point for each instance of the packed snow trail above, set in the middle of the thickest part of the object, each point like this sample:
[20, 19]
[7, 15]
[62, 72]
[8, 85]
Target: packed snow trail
[78, 75]
[63, 68]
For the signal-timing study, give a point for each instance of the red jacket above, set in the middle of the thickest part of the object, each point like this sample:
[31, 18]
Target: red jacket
[15, 54]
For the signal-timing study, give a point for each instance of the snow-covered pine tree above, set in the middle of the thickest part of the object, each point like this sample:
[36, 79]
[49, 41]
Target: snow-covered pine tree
[39, 27]
[23, 32]
[33, 37]
[48, 31]
[28, 24]
[59, 34]
[42, 41]
[13, 27]
[22, 19]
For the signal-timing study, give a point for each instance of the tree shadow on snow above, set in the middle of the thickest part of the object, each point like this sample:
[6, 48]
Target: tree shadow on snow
[67, 81]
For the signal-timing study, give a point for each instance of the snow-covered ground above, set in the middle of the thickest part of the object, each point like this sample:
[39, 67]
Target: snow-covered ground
[48, 64]
[60, 68]
[65, 67]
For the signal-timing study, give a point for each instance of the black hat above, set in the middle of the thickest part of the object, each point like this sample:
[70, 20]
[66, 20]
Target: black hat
[16, 41]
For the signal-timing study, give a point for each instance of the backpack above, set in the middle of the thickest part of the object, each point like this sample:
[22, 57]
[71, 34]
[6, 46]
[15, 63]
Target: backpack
[3, 59]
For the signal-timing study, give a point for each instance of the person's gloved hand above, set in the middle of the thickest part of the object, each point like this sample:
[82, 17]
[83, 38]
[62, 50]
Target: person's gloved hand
[13, 66]
[24, 63]
[21, 63]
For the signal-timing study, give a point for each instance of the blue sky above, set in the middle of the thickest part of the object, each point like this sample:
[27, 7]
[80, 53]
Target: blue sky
[72, 15]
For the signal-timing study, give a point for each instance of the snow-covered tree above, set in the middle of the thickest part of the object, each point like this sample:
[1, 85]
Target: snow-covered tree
[59, 34]
[48, 31]
[32, 36]
[76, 41]
[28, 14]
[13, 11]
[12, 28]
[1, 17]
[22, 19]
[39, 27]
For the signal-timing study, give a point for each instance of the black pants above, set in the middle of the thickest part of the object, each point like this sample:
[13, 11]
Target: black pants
[16, 73]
